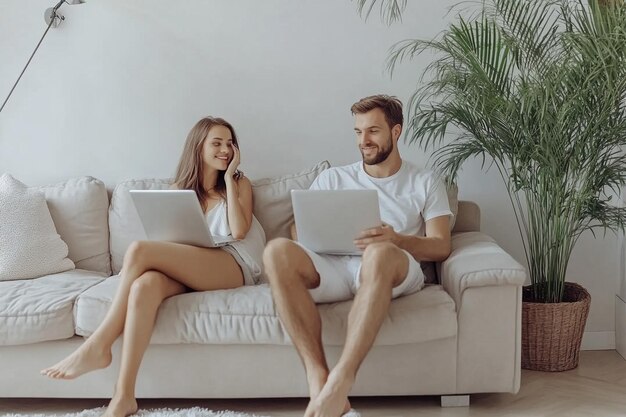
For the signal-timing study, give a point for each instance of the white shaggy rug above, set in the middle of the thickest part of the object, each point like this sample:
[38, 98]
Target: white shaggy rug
[157, 412]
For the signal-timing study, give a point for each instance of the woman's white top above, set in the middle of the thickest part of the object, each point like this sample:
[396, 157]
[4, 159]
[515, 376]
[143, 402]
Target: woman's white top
[249, 249]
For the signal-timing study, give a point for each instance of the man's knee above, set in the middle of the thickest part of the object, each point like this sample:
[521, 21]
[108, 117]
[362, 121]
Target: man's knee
[286, 263]
[279, 253]
[382, 261]
[275, 247]
[380, 253]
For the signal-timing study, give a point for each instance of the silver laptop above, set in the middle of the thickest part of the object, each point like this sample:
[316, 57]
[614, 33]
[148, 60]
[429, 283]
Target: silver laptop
[175, 216]
[329, 221]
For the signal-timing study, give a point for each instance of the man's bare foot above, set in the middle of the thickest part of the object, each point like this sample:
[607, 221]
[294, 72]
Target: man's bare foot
[84, 359]
[316, 384]
[332, 400]
[121, 407]
[316, 381]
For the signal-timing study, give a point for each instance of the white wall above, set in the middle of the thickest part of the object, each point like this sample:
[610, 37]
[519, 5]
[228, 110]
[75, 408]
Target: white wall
[114, 90]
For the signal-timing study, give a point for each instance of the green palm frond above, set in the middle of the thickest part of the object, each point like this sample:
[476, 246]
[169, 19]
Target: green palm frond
[390, 10]
[529, 28]
[536, 88]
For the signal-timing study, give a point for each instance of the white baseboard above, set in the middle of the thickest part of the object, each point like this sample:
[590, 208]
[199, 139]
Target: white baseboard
[598, 341]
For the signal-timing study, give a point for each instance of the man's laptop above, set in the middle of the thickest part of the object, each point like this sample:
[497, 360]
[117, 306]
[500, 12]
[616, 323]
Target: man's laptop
[175, 216]
[328, 221]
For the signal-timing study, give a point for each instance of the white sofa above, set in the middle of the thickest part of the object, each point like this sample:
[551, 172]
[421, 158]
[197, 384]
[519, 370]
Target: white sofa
[461, 336]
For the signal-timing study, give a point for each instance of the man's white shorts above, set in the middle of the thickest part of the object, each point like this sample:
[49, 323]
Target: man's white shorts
[340, 277]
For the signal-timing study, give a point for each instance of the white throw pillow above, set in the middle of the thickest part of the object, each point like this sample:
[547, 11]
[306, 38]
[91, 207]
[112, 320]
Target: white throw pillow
[30, 246]
[272, 199]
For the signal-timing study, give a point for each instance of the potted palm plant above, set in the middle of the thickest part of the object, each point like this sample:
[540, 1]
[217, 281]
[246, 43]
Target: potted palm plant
[538, 89]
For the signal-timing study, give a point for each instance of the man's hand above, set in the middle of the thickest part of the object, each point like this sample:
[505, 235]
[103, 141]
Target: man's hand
[384, 233]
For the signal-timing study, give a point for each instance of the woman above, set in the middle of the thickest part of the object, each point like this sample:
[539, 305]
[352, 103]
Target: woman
[153, 271]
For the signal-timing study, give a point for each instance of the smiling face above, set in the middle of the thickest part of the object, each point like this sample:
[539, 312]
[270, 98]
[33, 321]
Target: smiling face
[376, 140]
[217, 148]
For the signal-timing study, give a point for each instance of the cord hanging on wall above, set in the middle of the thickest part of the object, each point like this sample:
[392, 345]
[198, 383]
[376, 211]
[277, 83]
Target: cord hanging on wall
[53, 19]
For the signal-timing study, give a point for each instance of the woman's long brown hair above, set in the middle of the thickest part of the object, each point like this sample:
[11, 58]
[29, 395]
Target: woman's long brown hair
[190, 171]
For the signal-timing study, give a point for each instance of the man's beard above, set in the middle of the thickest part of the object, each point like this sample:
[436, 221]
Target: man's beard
[381, 155]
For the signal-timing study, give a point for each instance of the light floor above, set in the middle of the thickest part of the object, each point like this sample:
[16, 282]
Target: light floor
[596, 388]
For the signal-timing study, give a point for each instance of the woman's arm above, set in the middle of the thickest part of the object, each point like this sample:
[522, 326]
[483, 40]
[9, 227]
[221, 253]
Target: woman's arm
[239, 204]
[238, 198]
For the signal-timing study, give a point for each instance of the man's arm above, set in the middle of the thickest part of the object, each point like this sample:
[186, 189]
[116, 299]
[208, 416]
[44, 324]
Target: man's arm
[435, 246]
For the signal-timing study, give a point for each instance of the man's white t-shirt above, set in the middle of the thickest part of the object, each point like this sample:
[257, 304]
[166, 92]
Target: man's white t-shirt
[407, 199]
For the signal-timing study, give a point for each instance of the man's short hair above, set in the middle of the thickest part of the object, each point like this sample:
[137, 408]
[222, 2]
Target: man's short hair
[390, 105]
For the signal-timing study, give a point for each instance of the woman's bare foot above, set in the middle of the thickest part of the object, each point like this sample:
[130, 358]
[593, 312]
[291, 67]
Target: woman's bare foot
[85, 359]
[121, 407]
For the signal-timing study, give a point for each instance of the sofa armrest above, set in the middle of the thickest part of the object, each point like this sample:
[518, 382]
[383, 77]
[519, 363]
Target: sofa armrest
[476, 260]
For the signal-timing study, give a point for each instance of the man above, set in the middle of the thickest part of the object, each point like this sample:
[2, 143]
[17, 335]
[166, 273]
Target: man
[415, 212]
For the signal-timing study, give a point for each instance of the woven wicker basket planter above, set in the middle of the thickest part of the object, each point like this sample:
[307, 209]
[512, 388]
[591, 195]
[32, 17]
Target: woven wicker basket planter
[552, 332]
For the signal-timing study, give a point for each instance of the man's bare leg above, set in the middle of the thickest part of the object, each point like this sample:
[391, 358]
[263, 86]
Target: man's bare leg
[384, 267]
[291, 274]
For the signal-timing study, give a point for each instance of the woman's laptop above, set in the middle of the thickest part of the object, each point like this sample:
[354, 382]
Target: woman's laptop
[328, 221]
[175, 216]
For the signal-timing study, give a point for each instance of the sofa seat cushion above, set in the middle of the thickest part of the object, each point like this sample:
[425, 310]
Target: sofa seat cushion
[429, 314]
[40, 309]
[247, 316]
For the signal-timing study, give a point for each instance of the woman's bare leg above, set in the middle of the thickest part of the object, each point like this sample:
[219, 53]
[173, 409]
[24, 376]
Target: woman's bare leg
[95, 353]
[212, 268]
[146, 295]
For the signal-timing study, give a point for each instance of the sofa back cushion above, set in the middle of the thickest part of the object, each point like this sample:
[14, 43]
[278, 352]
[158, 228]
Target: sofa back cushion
[272, 199]
[467, 218]
[124, 223]
[79, 208]
[453, 201]
[272, 207]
